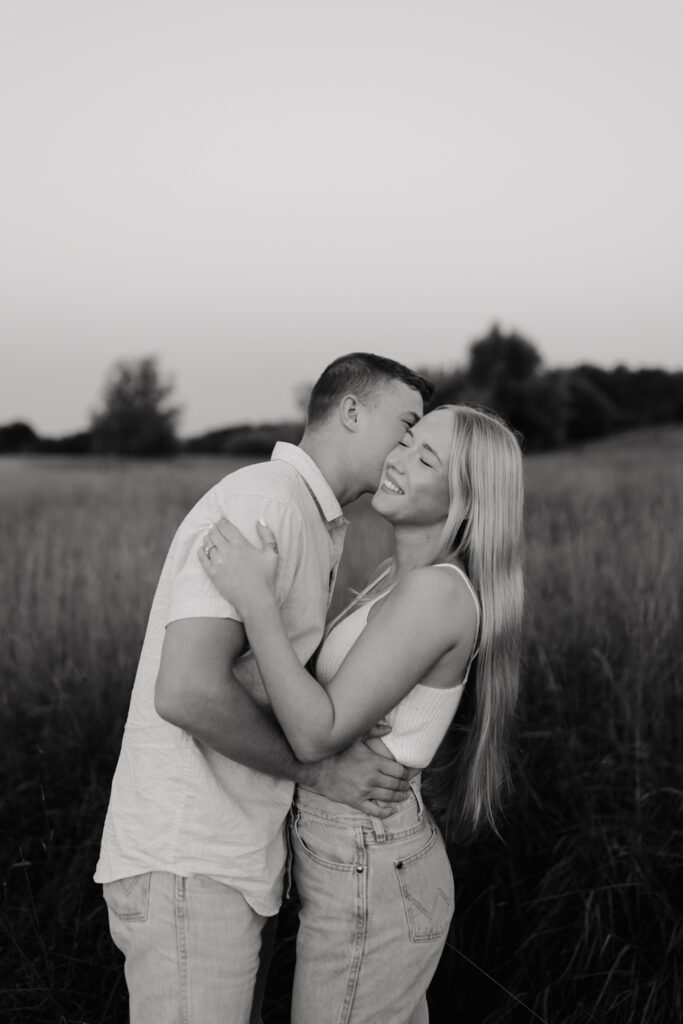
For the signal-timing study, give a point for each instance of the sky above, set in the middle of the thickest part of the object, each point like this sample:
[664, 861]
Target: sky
[247, 190]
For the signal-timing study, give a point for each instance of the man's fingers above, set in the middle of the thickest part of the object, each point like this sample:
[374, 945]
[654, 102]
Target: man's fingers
[393, 769]
[394, 796]
[391, 783]
[373, 808]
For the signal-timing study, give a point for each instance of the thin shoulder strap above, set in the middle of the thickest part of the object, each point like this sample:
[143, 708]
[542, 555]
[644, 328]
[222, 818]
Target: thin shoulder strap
[345, 611]
[468, 584]
[477, 605]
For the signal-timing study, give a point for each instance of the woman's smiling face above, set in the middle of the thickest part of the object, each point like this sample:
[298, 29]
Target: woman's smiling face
[414, 488]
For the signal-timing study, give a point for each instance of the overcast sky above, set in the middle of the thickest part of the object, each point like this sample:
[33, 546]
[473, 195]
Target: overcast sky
[249, 189]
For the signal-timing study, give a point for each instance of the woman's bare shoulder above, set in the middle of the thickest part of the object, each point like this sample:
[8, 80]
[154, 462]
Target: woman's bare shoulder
[435, 593]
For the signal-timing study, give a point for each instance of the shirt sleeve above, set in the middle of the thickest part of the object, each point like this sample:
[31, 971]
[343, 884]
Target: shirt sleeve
[193, 595]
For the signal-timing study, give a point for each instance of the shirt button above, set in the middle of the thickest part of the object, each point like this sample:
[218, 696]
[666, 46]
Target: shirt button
[359, 869]
[399, 863]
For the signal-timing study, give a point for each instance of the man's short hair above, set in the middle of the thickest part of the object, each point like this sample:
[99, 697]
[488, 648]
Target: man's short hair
[360, 374]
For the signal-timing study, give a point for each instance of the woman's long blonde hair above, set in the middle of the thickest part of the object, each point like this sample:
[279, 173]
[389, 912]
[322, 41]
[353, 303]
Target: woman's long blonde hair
[470, 773]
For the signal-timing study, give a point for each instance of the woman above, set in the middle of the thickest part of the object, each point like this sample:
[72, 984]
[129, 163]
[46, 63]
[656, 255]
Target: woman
[377, 895]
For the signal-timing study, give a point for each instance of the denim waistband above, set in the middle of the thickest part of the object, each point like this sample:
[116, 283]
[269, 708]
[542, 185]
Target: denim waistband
[409, 810]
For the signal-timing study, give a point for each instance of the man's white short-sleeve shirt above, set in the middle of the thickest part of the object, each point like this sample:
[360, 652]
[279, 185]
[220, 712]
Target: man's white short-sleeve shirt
[176, 805]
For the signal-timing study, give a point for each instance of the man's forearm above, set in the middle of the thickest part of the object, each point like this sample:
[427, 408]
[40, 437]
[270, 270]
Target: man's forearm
[233, 724]
[196, 690]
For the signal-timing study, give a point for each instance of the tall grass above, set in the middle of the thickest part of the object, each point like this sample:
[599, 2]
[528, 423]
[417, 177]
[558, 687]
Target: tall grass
[576, 917]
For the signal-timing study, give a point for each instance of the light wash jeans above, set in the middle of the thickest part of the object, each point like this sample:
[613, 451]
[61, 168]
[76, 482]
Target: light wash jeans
[193, 949]
[376, 903]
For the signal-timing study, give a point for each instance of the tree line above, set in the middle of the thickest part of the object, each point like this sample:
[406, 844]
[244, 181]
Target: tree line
[551, 407]
[504, 372]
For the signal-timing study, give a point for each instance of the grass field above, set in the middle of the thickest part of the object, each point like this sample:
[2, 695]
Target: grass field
[576, 917]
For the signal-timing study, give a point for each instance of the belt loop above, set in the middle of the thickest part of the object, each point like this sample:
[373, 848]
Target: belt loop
[378, 829]
[415, 786]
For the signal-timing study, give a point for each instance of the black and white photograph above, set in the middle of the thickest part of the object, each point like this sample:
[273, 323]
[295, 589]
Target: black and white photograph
[341, 512]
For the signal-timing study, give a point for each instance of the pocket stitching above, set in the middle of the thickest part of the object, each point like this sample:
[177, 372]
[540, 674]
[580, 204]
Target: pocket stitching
[424, 936]
[133, 915]
[332, 865]
[408, 898]
[416, 902]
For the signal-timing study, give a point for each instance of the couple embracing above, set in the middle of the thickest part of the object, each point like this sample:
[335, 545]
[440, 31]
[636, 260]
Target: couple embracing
[235, 754]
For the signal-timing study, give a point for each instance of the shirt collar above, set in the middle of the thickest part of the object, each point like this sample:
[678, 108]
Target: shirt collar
[317, 484]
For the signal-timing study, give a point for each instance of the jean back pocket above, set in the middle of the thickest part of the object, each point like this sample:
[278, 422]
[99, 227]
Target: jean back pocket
[426, 885]
[128, 898]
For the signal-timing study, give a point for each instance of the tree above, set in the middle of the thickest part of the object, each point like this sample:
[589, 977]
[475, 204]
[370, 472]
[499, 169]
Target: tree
[17, 437]
[450, 386]
[590, 411]
[502, 357]
[135, 418]
[536, 407]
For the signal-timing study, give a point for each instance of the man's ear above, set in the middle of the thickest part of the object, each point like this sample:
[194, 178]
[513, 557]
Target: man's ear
[348, 412]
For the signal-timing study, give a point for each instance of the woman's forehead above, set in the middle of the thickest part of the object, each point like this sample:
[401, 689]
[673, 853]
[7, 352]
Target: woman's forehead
[436, 428]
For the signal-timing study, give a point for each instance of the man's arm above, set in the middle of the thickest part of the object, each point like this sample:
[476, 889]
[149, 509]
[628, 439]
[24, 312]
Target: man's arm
[197, 690]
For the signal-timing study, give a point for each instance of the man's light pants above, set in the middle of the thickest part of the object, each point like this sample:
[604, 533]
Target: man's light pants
[193, 948]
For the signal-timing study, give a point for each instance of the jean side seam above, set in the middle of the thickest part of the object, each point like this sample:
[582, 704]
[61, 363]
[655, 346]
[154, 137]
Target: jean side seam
[361, 929]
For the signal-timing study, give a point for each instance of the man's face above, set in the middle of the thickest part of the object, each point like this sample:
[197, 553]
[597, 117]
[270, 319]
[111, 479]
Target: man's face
[392, 410]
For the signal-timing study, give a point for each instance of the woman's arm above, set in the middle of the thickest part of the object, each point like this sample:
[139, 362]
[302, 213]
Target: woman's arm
[409, 631]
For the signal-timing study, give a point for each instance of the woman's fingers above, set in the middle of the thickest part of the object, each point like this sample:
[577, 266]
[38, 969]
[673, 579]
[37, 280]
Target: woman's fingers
[215, 537]
[225, 527]
[226, 530]
[205, 561]
[219, 535]
[266, 534]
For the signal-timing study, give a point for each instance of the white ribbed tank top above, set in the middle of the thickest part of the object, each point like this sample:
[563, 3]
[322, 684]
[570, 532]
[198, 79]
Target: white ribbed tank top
[419, 721]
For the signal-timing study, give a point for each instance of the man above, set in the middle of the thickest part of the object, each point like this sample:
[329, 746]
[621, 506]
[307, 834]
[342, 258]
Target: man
[193, 848]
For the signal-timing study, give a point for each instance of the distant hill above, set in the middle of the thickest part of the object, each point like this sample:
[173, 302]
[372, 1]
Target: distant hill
[21, 438]
[245, 439]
